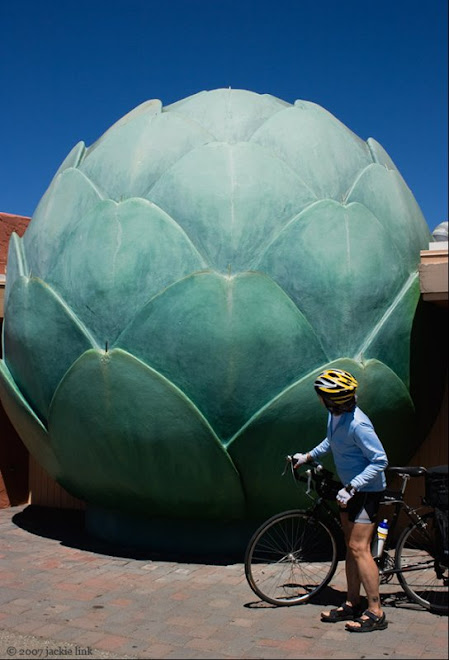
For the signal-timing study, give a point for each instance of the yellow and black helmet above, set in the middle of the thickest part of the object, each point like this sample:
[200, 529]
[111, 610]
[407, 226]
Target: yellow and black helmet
[336, 386]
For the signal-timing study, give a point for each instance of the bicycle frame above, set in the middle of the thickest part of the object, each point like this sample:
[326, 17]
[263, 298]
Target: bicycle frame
[391, 498]
[396, 499]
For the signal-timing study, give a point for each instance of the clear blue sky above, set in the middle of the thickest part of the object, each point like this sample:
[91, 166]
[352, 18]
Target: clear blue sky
[71, 68]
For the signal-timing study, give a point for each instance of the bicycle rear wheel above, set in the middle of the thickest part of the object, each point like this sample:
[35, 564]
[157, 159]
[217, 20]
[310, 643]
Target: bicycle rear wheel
[290, 558]
[422, 576]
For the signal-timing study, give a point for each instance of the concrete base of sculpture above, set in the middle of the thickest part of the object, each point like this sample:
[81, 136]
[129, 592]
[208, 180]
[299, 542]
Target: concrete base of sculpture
[208, 538]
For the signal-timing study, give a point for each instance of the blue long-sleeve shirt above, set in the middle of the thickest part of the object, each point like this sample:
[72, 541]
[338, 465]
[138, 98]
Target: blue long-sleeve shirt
[359, 456]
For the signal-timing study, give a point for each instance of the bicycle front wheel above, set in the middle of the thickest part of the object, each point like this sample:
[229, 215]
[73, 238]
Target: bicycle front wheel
[290, 558]
[421, 574]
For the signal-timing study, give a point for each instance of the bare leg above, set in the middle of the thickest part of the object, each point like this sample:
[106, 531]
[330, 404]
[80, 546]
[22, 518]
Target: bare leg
[351, 570]
[359, 546]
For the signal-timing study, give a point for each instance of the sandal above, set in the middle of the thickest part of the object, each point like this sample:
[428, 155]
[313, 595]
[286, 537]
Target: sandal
[343, 613]
[373, 622]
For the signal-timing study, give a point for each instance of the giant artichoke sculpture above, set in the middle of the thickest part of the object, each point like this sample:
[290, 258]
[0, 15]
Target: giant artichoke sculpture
[180, 285]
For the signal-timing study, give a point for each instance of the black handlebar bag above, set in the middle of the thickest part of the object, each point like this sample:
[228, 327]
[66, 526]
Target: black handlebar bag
[437, 487]
[437, 496]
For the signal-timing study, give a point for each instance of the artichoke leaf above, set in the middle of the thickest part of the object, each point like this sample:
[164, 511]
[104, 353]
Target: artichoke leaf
[126, 434]
[228, 115]
[28, 426]
[142, 252]
[42, 338]
[396, 209]
[230, 343]
[294, 421]
[73, 158]
[379, 154]
[324, 152]
[17, 264]
[390, 339]
[143, 111]
[355, 295]
[231, 200]
[148, 144]
[69, 198]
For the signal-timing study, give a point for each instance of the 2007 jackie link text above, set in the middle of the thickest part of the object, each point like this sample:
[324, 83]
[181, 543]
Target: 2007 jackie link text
[47, 652]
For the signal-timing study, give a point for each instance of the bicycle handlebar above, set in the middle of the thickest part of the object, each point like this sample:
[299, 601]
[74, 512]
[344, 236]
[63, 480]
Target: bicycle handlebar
[317, 467]
[325, 484]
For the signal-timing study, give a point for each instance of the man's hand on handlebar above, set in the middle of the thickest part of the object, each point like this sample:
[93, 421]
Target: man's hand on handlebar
[299, 459]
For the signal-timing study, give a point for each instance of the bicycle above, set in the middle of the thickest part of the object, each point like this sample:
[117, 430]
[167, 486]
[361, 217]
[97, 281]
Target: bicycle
[293, 555]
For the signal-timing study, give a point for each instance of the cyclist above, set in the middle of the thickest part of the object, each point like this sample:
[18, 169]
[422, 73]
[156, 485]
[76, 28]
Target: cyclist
[360, 461]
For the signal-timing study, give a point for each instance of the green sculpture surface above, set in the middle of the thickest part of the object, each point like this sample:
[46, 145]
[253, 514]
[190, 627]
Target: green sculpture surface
[180, 285]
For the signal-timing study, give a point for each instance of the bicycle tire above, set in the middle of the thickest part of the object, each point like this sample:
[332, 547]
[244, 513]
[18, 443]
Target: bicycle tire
[290, 558]
[423, 578]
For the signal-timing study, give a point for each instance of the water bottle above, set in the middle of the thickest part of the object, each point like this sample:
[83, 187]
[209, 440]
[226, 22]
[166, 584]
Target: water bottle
[382, 533]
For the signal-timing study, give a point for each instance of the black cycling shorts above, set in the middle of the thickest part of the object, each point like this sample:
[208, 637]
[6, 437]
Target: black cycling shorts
[363, 507]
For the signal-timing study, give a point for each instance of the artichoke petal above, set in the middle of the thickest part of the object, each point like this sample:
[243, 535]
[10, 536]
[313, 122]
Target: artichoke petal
[229, 343]
[69, 197]
[229, 115]
[390, 339]
[322, 150]
[42, 338]
[295, 421]
[379, 154]
[355, 294]
[144, 111]
[73, 159]
[148, 144]
[230, 200]
[27, 424]
[396, 209]
[126, 434]
[17, 263]
[143, 251]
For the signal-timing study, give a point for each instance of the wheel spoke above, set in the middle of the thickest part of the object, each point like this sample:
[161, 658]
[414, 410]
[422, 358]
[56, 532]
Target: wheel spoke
[290, 558]
[422, 576]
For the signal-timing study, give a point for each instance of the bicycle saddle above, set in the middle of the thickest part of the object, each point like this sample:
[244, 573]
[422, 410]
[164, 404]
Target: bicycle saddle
[411, 471]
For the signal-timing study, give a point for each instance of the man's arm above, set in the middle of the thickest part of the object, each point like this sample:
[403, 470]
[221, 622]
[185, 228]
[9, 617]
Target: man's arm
[366, 438]
[320, 450]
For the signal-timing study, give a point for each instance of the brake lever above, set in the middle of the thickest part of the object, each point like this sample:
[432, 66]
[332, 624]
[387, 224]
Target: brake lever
[288, 459]
[309, 481]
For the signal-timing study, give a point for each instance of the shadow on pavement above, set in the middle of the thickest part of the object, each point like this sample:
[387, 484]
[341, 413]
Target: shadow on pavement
[328, 596]
[68, 527]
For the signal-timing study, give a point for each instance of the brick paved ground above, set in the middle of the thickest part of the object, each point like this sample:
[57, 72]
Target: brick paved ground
[63, 595]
